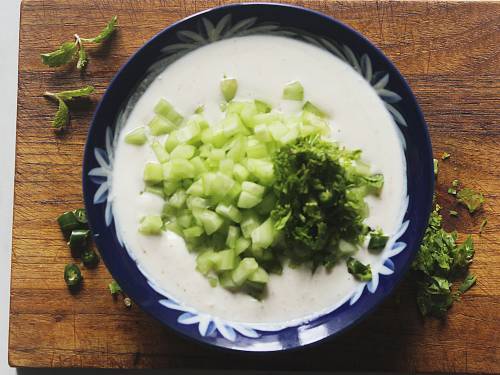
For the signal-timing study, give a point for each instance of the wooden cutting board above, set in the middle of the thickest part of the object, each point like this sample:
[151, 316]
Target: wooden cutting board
[448, 51]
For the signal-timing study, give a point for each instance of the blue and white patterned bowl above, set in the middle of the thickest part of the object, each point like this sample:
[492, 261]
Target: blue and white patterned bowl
[238, 20]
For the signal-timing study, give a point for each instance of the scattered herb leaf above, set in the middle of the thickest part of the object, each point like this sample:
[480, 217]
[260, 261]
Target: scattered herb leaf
[67, 52]
[471, 199]
[445, 156]
[114, 288]
[359, 270]
[378, 240]
[436, 167]
[453, 213]
[61, 118]
[468, 283]
[61, 56]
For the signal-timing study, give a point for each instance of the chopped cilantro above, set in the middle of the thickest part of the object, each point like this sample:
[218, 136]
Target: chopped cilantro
[453, 213]
[471, 199]
[445, 156]
[436, 167]
[359, 270]
[439, 261]
[114, 288]
[468, 283]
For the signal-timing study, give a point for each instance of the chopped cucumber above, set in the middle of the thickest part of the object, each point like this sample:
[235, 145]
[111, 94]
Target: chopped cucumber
[151, 225]
[153, 173]
[229, 86]
[136, 137]
[244, 270]
[165, 109]
[160, 125]
[293, 91]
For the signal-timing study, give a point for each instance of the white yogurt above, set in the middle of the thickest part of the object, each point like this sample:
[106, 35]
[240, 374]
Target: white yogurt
[263, 65]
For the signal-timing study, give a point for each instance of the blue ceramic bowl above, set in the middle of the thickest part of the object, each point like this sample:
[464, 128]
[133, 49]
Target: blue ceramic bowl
[217, 24]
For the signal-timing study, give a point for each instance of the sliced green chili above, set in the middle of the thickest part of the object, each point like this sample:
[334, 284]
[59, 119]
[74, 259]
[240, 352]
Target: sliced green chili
[90, 258]
[72, 275]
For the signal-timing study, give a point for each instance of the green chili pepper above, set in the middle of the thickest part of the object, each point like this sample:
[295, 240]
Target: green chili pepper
[71, 220]
[89, 258]
[72, 276]
[78, 241]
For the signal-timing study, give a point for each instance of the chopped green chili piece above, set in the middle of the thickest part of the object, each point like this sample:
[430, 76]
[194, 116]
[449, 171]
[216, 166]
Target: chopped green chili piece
[468, 283]
[72, 275]
[71, 220]
[483, 224]
[377, 240]
[453, 213]
[359, 270]
[90, 258]
[78, 240]
[471, 199]
[445, 156]
[114, 288]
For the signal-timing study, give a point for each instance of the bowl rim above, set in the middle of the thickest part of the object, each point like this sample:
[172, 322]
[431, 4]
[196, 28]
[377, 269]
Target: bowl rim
[420, 121]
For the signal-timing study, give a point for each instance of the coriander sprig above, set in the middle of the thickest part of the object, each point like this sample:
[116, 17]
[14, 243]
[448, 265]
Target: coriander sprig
[61, 117]
[68, 51]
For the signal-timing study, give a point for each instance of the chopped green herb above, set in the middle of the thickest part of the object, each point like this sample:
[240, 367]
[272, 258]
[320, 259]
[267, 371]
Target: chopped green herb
[439, 261]
[436, 167]
[468, 283]
[320, 200]
[471, 199]
[61, 117]
[455, 183]
[453, 213]
[359, 270]
[377, 240]
[483, 224]
[452, 191]
[68, 51]
[114, 288]
[445, 156]
[72, 276]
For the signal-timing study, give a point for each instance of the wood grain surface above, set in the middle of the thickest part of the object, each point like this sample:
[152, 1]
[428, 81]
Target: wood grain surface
[448, 51]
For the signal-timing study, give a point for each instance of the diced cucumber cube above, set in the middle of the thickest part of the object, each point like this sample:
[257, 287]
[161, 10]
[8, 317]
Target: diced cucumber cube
[241, 245]
[263, 236]
[151, 225]
[229, 86]
[170, 187]
[184, 219]
[248, 200]
[198, 165]
[182, 152]
[165, 109]
[259, 276]
[238, 150]
[293, 91]
[229, 211]
[246, 268]
[253, 188]
[136, 136]
[193, 232]
[262, 169]
[160, 152]
[178, 199]
[233, 233]
[262, 133]
[309, 107]
[171, 142]
[160, 125]
[249, 223]
[205, 262]
[153, 173]
[226, 166]
[210, 220]
[256, 149]
[197, 202]
[174, 227]
[240, 172]
[262, 107]
[196, 188]
[225, 260]
[155, 189]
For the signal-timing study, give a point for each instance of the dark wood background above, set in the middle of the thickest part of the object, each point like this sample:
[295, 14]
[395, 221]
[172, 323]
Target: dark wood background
[448, 51]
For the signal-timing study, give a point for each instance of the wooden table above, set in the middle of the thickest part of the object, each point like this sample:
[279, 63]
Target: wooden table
[448, 51]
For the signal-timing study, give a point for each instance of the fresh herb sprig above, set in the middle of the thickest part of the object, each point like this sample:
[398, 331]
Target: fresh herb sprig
[61, 118]
[68, 51]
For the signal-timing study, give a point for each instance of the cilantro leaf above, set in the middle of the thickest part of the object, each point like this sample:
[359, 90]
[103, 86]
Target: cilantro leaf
[483, 224]
[471, 199]
[434, 296]
[377, 240]
[445, 156]
[468, 283]
[105, 33]
[359, 270]
[78, 93]
[61, 56]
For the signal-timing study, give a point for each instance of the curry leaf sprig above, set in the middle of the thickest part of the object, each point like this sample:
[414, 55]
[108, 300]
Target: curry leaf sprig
[61, 117]
[68, 51]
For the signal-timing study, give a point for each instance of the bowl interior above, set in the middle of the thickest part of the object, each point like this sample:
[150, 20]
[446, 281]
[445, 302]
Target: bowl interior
[216, 24]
